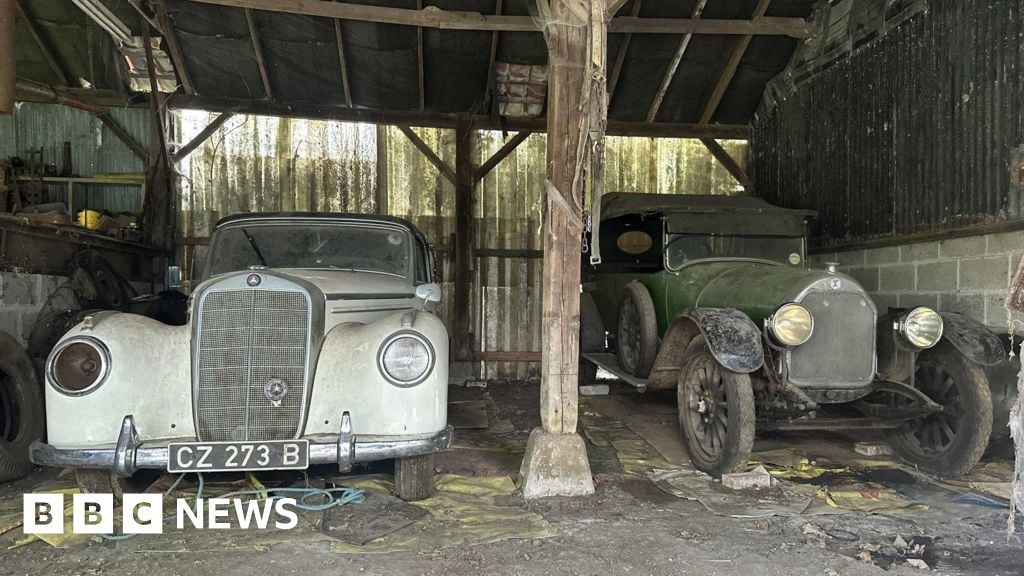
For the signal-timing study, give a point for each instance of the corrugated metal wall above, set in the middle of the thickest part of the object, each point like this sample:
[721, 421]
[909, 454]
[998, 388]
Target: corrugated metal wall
[913, 132]
[94, 148]
[265, 164]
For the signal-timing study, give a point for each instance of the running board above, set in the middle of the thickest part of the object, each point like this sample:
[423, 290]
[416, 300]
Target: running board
[611, 363]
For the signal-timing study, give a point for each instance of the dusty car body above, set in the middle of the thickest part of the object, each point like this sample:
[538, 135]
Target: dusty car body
[311, 341]
[712, 296]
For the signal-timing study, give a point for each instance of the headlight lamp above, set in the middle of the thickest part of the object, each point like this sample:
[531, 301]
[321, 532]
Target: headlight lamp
[78, 365]
[791, 324]
[921, 327]
[406, 359]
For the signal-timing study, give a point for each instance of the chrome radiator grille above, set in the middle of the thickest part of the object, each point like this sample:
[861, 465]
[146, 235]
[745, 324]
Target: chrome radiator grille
[842, 346]
[246, 338]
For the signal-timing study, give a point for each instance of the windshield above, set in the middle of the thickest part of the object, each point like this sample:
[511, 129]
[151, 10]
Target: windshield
[381, 250]
[685, 248]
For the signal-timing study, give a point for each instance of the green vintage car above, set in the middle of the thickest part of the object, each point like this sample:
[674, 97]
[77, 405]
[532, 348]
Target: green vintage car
[712, 296]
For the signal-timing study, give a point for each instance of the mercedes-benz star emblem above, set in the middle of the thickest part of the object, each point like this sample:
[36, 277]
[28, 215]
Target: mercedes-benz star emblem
[836, 283]
[275, 390]
[253, 280]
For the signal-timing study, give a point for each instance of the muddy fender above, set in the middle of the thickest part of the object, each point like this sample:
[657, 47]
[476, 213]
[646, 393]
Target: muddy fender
[972, 339]
[731, 335]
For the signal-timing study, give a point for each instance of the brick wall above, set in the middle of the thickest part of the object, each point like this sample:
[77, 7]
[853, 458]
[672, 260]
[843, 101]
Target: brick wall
[21, 298]
[968, 275]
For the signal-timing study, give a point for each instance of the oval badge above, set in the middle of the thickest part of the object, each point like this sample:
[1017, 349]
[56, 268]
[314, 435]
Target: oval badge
[634, 242]
[253, 280]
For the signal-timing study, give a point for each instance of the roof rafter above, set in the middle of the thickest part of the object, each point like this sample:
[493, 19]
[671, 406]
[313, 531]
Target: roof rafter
[257, 47]
[684, 43]
[339, 38]
[434, 17]
[419, 59]
[492, 58]
[730, 68]
[37, 35]
[620, 57]
[177, 57]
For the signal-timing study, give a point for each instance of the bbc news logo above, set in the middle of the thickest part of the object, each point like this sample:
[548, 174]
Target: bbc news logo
[144, 513]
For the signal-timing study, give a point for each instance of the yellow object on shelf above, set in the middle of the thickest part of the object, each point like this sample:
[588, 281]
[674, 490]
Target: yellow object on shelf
[90, 219]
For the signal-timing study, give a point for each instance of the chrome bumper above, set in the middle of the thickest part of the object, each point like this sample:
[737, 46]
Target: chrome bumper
[131, 454]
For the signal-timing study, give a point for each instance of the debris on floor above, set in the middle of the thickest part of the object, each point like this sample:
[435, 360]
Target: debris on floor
[594, 390]
[468, 414]
[755, 479]
[873, 449]
[778, 500]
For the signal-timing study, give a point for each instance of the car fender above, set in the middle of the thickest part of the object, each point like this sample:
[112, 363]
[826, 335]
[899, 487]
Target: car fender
[731, 335]
[972, 339]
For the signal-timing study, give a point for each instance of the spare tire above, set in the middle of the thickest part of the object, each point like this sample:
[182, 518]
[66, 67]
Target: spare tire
[21, 409]
[97, 284]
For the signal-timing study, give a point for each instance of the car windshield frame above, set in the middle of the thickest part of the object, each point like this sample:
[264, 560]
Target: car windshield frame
[671, 238]
[246, 227]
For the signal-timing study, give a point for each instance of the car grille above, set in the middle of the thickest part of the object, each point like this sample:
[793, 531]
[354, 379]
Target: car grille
[842, 346]
[245, 339]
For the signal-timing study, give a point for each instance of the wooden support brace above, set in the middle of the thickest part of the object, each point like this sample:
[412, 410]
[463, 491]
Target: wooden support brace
[419, 60]
[620, 58]
[136, 148]
[481, 171]
[206, 132]
[727, 161]
[730, 68]
[464, 239]
[433, 158]
[666, 81]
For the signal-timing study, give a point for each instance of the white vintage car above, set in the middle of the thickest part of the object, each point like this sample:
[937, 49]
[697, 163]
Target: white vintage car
[311, 341]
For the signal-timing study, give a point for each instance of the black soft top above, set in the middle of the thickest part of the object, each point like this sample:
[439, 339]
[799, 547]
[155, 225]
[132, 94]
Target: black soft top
[708, 214]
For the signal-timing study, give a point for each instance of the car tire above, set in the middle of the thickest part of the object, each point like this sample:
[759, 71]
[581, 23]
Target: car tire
[592, 337]
[21, 409]
[948, 443]
[414, 477]
[637, 331]
[716, 412]
[103, 481]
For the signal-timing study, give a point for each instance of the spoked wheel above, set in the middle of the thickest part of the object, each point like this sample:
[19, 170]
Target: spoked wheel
[637, 334]
[716, 412]
[950, 442]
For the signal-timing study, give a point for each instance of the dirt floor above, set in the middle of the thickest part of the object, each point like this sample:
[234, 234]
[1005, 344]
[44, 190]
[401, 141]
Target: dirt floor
[478, 524]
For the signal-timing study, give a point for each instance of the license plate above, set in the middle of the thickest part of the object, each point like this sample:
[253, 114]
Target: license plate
[230, 456]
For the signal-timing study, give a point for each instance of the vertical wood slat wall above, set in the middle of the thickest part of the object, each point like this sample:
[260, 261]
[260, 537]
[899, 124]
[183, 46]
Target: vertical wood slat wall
[267, 164]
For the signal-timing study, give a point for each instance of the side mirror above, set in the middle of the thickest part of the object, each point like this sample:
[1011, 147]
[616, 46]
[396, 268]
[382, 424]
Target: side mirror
[429, 292]
[173, 279]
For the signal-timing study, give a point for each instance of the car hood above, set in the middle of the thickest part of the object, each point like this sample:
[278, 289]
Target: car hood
[758, 288]
[340, 284]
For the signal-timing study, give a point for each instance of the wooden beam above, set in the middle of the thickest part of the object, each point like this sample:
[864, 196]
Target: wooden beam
[419, 59]
[620, 58]
[446, 120]
[205, 133]
[434, 17]
[136, 148]
[433, 158]
[666, 80]
[344, 63]
[616, 5]
[42, 44]
[501, 154]
[496, 356]
[464, 238]
[257, 47]
[730, 68]
[149, 17]
[173, 47]
[8, 62]
[727, 161]
[492, 59]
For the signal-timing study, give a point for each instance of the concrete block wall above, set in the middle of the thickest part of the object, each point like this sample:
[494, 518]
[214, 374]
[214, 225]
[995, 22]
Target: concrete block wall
[968, 275]
[21, 298]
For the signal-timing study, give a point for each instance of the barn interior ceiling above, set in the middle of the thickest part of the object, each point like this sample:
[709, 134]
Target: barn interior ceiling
[687, 63]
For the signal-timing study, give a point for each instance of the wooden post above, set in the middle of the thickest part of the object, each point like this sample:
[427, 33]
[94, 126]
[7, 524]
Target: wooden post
[556, 462]
[462, 340]
[7, 76]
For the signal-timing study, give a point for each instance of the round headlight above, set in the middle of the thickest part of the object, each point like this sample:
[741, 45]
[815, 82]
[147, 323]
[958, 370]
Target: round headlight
[791, 325]
[78, 365]
[406, 359]
[922, 327]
